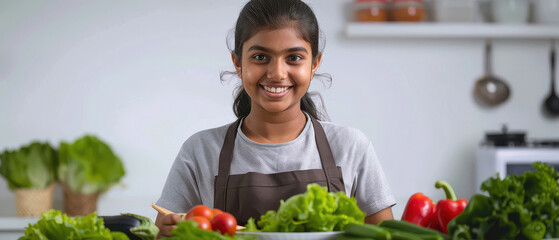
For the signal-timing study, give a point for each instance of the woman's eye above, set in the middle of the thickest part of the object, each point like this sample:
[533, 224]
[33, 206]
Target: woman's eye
[259, 57]
[294, 58]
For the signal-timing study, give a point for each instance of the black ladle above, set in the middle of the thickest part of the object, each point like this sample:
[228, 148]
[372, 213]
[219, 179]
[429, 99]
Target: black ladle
[552, 102]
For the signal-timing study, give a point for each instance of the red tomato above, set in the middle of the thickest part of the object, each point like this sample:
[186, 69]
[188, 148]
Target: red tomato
[225, 223]
[188, 215]
[216, 212]
[203, 223]
[200, 211]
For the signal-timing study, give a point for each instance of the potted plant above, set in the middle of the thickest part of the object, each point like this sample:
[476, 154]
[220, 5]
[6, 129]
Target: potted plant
[87, 168]
[30, 172]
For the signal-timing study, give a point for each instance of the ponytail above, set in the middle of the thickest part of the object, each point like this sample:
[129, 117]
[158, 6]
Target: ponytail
[308, 106]
[241, 105]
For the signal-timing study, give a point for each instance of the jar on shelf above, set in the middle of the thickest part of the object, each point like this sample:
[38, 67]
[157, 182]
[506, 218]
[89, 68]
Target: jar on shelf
[511, 11]
[408, 11]
[456, 10]
[370, 10]
[546, 11]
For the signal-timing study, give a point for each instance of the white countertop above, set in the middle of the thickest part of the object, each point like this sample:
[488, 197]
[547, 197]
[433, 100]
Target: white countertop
[11, 228]
[15, 223]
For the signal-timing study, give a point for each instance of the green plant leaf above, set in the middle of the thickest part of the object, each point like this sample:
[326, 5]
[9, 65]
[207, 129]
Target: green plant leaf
[89, 165]
[30, 167]
[517, 207]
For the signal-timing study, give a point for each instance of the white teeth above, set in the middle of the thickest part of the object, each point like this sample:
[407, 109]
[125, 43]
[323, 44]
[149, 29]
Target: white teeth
[275, 90]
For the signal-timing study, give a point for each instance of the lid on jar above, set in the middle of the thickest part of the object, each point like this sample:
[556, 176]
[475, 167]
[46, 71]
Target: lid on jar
[370, 0]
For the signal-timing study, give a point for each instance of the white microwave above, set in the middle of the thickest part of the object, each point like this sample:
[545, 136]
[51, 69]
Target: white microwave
[508, 161]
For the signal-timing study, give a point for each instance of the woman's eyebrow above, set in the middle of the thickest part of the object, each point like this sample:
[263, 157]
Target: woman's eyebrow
[264, 49]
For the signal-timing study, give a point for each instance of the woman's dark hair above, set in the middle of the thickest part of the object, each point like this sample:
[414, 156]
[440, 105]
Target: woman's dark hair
[274, 14]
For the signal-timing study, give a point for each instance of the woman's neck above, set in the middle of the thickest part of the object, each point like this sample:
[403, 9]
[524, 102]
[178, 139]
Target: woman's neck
[273, 128]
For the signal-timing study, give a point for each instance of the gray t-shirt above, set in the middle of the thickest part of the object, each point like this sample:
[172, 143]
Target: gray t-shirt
[191, 178]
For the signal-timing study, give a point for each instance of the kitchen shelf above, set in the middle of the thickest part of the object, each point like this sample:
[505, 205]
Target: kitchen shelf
[451, 30]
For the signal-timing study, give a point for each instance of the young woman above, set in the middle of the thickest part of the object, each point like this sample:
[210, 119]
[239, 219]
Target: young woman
[277, 146]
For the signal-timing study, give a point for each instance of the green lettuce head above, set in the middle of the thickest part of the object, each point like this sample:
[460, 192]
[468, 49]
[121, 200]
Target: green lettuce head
[89, 165]
[316, 210]
[30, 167]
[57, 225]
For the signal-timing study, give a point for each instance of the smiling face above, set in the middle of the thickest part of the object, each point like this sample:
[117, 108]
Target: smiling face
[276, 69]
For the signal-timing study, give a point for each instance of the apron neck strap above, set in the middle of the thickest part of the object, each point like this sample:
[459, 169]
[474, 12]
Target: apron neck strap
[226, 154]
[325, 153]
[225, 159]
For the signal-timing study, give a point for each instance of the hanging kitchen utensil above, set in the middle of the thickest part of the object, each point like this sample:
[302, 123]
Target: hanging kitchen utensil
[489, 89]
[552, 101]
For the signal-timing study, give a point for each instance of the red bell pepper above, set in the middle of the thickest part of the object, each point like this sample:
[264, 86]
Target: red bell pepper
[420, 210]
[434, 223]
[449, 208]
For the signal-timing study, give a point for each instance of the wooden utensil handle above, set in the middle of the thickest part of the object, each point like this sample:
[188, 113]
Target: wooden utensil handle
[161, 210]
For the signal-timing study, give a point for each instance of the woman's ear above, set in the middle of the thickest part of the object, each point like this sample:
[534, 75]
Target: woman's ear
[236, 63]
[316, 63]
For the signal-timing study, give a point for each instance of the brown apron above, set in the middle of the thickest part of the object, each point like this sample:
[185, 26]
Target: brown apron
[253, 194]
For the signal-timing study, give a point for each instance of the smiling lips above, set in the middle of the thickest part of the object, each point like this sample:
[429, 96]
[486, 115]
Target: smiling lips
[276, 91]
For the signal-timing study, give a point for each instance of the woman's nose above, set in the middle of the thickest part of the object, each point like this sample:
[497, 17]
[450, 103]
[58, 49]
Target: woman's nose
[277, 71]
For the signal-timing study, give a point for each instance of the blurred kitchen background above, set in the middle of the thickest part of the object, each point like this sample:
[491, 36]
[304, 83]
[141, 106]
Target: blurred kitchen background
[144, 76]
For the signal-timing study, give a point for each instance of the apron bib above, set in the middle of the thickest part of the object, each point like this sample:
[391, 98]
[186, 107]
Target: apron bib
[253, 194]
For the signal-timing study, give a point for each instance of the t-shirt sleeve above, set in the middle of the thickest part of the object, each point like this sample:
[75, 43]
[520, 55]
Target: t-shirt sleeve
[372, 190]
[180, 192]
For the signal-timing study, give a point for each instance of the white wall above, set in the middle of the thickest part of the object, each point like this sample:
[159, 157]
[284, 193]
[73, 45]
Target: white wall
[144, 76]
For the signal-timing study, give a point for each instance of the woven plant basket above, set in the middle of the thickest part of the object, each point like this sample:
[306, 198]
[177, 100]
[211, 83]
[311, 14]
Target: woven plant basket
[77, 204]
[32, 202]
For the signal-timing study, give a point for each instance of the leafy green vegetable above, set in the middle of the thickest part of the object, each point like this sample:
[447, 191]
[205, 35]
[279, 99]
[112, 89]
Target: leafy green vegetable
[188, 230]
[56, 225]
[518, 207]
[317, 210]
[119, 236]
[250, 226]
[89, 166]
[146, 230]
[534, 230]
[32, 166]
